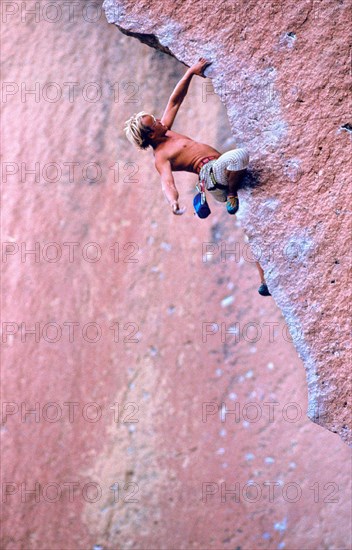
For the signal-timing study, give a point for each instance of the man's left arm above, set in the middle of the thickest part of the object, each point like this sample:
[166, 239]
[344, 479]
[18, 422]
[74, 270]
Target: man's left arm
[181, 90]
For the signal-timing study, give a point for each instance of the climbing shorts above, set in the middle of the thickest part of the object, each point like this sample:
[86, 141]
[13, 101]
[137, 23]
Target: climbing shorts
[213, 173]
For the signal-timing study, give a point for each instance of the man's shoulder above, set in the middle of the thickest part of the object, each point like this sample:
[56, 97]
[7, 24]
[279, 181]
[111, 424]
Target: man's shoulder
[161, 161]
[161, 157]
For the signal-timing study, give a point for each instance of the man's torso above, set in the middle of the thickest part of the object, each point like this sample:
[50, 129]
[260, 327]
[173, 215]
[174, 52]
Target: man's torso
[183, 152]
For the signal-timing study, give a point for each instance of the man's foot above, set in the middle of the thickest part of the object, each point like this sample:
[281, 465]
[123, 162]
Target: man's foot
[232, 204]
[263, 290]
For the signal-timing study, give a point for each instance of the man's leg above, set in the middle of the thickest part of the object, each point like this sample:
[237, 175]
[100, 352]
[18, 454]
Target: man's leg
[229, 169]
[234, 179]
[263, 289]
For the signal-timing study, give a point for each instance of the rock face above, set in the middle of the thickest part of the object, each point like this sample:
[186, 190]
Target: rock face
[282, 72]
[148, 388]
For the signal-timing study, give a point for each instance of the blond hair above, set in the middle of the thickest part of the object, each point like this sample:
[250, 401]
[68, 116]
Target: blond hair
[137, 132]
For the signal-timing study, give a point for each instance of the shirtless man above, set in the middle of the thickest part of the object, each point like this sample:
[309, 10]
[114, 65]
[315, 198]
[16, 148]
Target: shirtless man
[175, 152]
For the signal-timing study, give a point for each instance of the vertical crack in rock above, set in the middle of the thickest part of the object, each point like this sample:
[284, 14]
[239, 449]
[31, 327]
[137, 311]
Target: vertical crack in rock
[281, 105]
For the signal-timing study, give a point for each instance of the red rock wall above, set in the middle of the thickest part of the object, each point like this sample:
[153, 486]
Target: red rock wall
[159, 369]
[282, 70]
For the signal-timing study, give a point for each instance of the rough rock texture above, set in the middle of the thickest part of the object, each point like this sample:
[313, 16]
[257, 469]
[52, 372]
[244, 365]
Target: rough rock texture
[282, 71]
[163, 374]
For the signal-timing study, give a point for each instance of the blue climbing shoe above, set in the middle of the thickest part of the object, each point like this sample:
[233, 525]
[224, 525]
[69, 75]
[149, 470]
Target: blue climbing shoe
[232, 204]
[263, 290]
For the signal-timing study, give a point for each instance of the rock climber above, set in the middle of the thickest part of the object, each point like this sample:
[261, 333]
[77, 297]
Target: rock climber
[175, 152]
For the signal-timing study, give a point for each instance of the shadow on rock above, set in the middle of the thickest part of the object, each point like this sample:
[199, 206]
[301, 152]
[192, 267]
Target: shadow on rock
[251, 179]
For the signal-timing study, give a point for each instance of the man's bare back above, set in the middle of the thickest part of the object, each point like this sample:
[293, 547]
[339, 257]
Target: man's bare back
[183, 153]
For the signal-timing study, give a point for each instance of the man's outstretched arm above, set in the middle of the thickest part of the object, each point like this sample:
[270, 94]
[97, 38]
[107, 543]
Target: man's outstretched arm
[168, 185]
[181, 90]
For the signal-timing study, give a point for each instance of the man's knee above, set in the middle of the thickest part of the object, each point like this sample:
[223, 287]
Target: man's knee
[238, 161]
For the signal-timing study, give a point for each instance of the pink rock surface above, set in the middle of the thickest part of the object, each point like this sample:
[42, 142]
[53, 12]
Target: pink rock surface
[159, 369]
[282, 72]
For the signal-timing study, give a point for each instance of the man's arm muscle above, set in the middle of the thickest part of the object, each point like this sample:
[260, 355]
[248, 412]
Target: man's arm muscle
[176, 99]
[181, 90]
[168, 184]
[167, 180]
